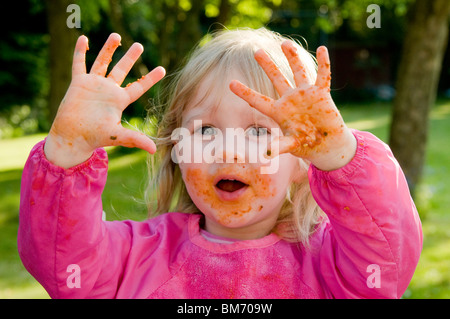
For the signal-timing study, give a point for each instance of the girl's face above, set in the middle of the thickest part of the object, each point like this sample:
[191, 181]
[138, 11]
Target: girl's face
[223, 165]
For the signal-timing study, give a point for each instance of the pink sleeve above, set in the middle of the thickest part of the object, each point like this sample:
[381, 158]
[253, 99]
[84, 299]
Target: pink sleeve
[372, 244]
[62, 239]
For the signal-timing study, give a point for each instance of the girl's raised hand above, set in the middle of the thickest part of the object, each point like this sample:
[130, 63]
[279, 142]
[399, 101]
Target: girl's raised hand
[311, 124]
[90, 114]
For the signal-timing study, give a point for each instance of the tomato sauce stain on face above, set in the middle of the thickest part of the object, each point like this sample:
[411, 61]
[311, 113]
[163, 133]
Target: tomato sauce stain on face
[202, 184]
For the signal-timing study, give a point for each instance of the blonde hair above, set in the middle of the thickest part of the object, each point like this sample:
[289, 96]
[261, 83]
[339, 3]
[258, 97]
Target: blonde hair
[227, 49]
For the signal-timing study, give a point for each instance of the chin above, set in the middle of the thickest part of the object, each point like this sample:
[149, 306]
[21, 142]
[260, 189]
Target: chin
[234, 219]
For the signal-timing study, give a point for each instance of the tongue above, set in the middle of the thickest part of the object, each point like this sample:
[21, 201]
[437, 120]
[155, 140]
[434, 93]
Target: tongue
[230, 186]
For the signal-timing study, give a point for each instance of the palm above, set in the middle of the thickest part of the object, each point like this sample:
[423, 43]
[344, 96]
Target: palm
[91, 111]
[96, 112]
[306, 114]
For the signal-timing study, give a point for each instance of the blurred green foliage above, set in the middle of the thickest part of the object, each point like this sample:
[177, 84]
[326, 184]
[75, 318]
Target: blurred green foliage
[168, 29]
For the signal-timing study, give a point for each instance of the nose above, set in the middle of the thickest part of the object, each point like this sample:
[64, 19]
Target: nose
[233, 147]
[228, 156]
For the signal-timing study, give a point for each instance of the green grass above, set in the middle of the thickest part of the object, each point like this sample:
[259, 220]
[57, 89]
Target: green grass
[432, 276]
[122, 199]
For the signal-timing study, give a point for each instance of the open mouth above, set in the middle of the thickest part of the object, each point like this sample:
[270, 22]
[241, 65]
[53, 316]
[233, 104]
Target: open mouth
[230, 185]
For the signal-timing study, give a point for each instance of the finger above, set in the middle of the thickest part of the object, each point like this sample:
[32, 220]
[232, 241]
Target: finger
[139, 87]
[323, 72]
[121, 69]
[279, 81]
[79, 56]
[290, 51]
[103, 59]
[281, 145]
[130, 138]
[259, 101]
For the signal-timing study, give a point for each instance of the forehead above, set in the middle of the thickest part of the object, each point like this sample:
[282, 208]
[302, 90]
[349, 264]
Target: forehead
[213, 94]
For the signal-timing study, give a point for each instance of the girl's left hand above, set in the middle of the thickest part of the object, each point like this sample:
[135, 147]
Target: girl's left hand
[311, 124]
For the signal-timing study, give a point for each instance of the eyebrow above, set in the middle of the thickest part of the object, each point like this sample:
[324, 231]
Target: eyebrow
[209, 109]
[194, 115]
[257, 117]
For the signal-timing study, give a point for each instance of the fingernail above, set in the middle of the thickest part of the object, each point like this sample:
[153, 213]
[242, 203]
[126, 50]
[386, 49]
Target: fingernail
[268, 155]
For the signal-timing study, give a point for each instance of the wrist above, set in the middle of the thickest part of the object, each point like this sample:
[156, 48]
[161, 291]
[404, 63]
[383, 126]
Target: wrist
[338, 156]
[64, 153]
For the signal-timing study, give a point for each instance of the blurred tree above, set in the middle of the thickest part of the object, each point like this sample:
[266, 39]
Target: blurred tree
[62, 43]
[116, 15]
[423, 49]
[170, 28]
[23, 56]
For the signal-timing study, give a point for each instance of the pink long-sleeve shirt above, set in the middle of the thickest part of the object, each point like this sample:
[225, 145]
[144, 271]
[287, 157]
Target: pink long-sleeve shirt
[367, 247]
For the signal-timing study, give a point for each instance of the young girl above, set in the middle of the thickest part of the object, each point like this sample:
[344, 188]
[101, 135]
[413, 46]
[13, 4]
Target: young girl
[300, 207]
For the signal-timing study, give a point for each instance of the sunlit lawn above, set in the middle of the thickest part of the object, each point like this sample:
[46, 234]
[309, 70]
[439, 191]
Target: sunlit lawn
[122, 199]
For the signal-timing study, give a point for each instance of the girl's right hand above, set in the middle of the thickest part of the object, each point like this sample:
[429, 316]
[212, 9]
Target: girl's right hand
[90, 114]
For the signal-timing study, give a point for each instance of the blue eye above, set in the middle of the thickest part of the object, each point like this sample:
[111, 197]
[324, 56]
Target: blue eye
[257, 131]
[207, 130]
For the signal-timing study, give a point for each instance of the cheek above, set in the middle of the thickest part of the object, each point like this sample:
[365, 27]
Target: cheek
[198, 183]
[200, 186]
[291, 169]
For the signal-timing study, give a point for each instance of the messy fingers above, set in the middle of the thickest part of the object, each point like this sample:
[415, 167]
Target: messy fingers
[103, 59]
[130, 138]
[323, 72]
[79, 56]
[139, 87]
[278, 79]
[290, 51]
[259, 101]
[121, 69]
[281, 145]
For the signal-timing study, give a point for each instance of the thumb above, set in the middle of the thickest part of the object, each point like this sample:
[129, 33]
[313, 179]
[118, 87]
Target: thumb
[280, 145]
[130, 138]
